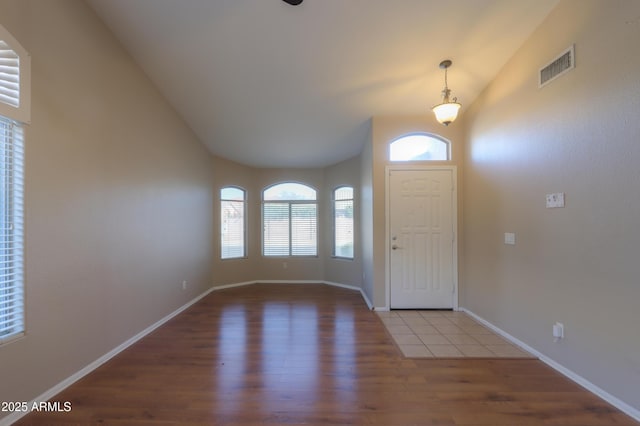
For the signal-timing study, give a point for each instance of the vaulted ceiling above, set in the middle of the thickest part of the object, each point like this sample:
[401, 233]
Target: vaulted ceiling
[272, 85]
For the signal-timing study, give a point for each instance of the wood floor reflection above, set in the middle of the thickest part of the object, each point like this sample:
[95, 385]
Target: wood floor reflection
[311, 354]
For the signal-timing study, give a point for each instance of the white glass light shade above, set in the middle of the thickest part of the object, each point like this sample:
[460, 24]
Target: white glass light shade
[446, 112]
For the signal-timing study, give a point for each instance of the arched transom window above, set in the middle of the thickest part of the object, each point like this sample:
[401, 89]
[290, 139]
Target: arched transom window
[419, 147]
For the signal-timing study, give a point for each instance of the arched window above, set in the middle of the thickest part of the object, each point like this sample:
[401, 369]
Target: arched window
[419, 147]
[343, 222]
[289, 220]
[232, 222]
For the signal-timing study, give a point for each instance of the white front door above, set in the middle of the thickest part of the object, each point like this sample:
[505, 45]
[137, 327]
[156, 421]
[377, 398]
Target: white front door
[421, 231]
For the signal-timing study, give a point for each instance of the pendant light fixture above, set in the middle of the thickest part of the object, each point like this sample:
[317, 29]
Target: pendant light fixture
[447, 111]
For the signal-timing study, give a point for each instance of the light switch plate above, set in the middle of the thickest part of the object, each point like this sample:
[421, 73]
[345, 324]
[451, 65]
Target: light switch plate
[555, 200]
[510, 238]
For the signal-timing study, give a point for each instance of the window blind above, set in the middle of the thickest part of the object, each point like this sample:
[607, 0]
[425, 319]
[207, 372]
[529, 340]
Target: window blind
[232, 223]
[343, 222]
[232, 229]
[11, 230]
[275, 237]
[303, 229]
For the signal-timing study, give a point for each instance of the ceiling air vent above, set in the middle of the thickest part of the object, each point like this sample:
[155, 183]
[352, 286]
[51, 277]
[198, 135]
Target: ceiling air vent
[560, 65]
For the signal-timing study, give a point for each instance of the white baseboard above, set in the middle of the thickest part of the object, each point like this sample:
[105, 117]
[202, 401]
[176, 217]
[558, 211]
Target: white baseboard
[367, 301]
[354, 288]
[616, 402]
[289, 282]
[225, 286]
[241, 284]
[331, 283]
[340, 285]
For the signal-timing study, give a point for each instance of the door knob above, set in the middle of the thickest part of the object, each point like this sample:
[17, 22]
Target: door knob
[394, 247]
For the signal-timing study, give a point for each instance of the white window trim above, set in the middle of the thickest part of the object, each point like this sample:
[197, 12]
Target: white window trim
[333, 212]
[12, 180]
[244, 222]
[289, 204]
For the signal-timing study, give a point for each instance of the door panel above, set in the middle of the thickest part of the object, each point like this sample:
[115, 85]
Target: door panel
[421, 230]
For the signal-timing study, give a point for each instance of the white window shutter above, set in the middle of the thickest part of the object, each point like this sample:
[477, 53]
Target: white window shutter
[15, 79]
[9, 75]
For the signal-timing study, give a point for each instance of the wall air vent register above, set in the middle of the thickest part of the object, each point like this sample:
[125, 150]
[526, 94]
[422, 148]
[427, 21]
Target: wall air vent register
[561, 65]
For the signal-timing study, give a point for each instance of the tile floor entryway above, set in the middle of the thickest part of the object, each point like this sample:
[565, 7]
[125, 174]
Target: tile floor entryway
[446, 334]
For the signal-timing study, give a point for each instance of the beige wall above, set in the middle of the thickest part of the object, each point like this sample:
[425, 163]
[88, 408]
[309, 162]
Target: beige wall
[385, 130]
[234, 271]
[366, 217]
[579, 135]
[343, 271]
[118, 199]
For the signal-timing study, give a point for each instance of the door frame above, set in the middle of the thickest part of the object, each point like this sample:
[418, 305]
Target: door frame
[387, 233]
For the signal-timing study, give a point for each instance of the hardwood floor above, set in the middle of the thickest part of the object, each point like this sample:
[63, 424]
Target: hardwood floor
[311, 354]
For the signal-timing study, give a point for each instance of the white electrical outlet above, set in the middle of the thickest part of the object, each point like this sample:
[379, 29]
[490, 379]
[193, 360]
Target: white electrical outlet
[184, 285]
